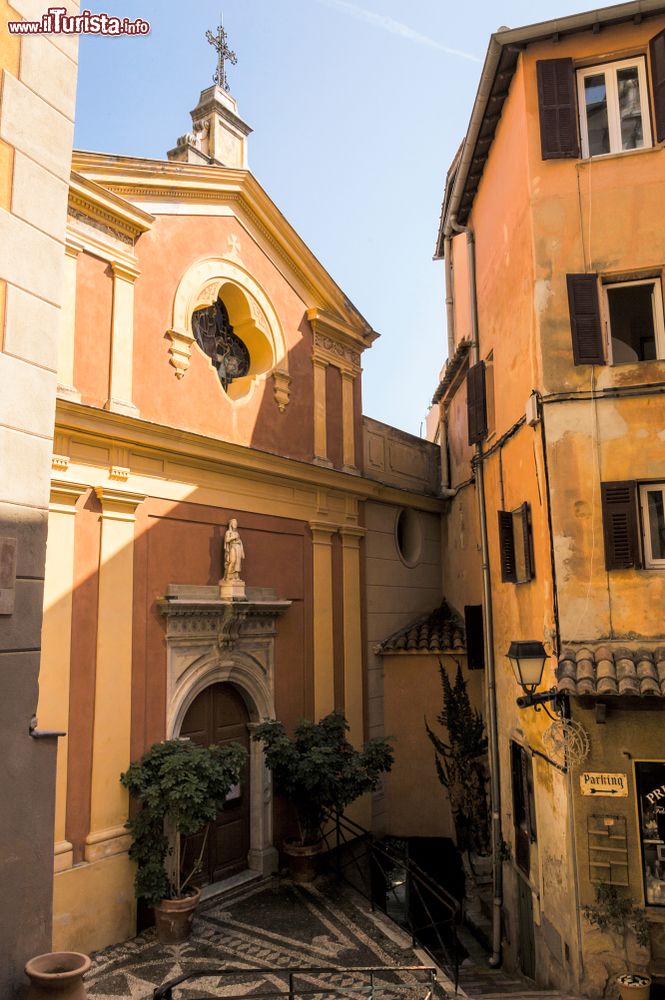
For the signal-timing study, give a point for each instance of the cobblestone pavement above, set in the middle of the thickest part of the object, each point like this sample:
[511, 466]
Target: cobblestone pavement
[272, 925]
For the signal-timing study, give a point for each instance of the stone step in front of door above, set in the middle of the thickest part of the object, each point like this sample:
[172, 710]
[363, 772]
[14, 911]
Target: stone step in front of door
[230, 886]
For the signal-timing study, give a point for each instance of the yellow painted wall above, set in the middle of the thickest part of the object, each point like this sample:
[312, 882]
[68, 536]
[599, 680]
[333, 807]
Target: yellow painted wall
[534, 222]
[94, 905]
[417, 805]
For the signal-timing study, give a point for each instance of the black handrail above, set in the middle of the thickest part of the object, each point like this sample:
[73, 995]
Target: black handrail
[165, 992]
[419, 885]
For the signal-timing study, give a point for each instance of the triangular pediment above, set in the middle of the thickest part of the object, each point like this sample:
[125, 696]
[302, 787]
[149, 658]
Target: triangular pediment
[159, 187]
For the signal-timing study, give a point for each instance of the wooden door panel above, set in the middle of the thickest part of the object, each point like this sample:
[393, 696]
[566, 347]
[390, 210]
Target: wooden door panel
[219, 716]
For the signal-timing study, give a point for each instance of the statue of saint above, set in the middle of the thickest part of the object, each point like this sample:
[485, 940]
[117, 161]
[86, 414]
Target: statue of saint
[234, 552]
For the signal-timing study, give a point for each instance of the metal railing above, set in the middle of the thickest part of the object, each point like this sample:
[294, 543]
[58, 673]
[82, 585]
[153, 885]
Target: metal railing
[412, 897]
[371, 984]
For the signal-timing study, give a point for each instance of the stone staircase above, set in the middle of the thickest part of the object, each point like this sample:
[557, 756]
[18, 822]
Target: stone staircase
[477, 980]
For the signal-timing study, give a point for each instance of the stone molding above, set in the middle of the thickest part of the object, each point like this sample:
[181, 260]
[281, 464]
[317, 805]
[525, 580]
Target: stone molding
[210, 641]
[282, 388]
[64, 495]
[199, 286]
[118, 505]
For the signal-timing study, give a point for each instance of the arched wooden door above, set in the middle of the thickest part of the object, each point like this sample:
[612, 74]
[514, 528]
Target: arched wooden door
[219, 715]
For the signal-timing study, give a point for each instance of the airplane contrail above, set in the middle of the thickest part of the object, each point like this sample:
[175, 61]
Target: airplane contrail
[395, 28]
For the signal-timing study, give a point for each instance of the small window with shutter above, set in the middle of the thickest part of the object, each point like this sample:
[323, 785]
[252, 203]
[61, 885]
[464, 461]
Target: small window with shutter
[557, 105]
[516, 545]
[476, 403]
[585, 325]
[620, 525]
[636, 330]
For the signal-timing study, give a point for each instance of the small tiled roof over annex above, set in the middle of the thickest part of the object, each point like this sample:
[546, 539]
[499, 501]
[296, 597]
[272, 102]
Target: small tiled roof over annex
[612, 671]
[440, 631]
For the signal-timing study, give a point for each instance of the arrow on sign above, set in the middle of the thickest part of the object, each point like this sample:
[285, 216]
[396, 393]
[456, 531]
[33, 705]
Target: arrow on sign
[604, 791]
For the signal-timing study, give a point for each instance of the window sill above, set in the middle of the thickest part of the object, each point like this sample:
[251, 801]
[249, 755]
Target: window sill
[603, 157]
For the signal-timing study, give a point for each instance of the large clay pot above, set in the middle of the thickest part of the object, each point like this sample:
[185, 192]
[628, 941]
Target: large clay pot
[58, 974]
[634, 987]
[303, 862]
[174, 917]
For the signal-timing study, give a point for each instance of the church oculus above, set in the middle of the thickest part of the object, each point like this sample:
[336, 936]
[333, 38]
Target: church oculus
[209, 387]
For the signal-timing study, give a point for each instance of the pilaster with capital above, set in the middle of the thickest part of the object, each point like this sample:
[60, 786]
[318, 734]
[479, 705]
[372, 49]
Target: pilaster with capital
[353, 651]
[66, 336]
[53, 705]
[113, 675]
[324, 667]
[122, 340]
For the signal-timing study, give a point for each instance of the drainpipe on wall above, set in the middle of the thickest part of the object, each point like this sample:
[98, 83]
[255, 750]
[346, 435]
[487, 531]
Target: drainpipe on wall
[490, 667]
[450, 302]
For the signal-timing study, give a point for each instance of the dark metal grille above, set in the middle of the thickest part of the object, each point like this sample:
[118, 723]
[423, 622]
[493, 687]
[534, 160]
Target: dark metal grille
[214, 335]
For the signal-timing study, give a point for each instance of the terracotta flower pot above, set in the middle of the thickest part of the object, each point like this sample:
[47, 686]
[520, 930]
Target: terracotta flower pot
[58, 974]
[174, 917]
[303, 862]
[632, 986]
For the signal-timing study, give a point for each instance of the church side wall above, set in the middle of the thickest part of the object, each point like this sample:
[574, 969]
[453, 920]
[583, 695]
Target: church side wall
[105, 639]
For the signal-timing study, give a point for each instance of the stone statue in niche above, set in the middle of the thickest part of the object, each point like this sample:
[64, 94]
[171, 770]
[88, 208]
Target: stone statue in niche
[231, 586]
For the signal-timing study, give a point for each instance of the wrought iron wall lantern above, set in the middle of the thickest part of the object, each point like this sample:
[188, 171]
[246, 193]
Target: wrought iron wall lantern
[528, 662]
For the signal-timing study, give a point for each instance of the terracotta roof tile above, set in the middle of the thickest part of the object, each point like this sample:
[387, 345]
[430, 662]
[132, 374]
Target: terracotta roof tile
[612, 671]
[440, 631]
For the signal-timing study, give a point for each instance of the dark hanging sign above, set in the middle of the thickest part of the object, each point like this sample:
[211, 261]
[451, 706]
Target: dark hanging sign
[650, 785]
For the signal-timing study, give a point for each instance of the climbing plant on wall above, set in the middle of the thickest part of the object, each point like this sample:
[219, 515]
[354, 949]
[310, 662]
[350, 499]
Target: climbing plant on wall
[460, 757]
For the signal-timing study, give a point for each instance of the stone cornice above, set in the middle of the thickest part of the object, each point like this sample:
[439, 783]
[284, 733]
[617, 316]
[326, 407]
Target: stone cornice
[102, 204]
[93, 425]
[144, 180]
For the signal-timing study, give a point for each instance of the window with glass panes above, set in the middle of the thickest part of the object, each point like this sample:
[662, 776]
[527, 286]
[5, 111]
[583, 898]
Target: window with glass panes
[652, 502]
[614, 107]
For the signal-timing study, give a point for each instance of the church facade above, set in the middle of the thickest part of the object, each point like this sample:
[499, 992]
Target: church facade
[209, 372]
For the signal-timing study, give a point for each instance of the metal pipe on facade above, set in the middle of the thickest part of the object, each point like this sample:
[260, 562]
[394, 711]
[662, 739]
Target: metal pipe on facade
[490, 666]
[450, 300]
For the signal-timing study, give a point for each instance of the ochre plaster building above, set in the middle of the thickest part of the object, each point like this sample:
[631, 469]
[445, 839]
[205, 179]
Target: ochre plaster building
[209, 369]
[550, 416]
[37, 98]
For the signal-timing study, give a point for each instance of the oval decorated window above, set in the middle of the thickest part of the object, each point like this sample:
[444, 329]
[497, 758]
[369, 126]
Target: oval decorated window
[409, 536]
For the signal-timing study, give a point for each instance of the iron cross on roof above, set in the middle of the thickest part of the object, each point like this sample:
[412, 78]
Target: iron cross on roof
[220, 42]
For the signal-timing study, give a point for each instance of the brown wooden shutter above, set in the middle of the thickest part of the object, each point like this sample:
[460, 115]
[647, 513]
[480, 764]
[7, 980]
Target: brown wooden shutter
[585, 325]
[620, 525]
[525, 515]
[476, 407]
[507, 547]
[557, 102]
[475, 636]
[657, 52]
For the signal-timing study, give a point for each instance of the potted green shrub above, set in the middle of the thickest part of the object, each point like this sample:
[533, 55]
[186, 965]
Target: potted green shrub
[181, 788]
[612, 911]
[318, 770]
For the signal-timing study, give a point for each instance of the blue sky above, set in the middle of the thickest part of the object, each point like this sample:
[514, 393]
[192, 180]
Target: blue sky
[357, 110]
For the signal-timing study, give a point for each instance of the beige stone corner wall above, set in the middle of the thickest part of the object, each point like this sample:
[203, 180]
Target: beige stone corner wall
[396, 594]
[37, 99]
[416, 803]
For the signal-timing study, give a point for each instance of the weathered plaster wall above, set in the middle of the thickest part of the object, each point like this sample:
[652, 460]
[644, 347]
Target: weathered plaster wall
[624, 737]
[514, 473]
[417, 805]
[36, 128]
